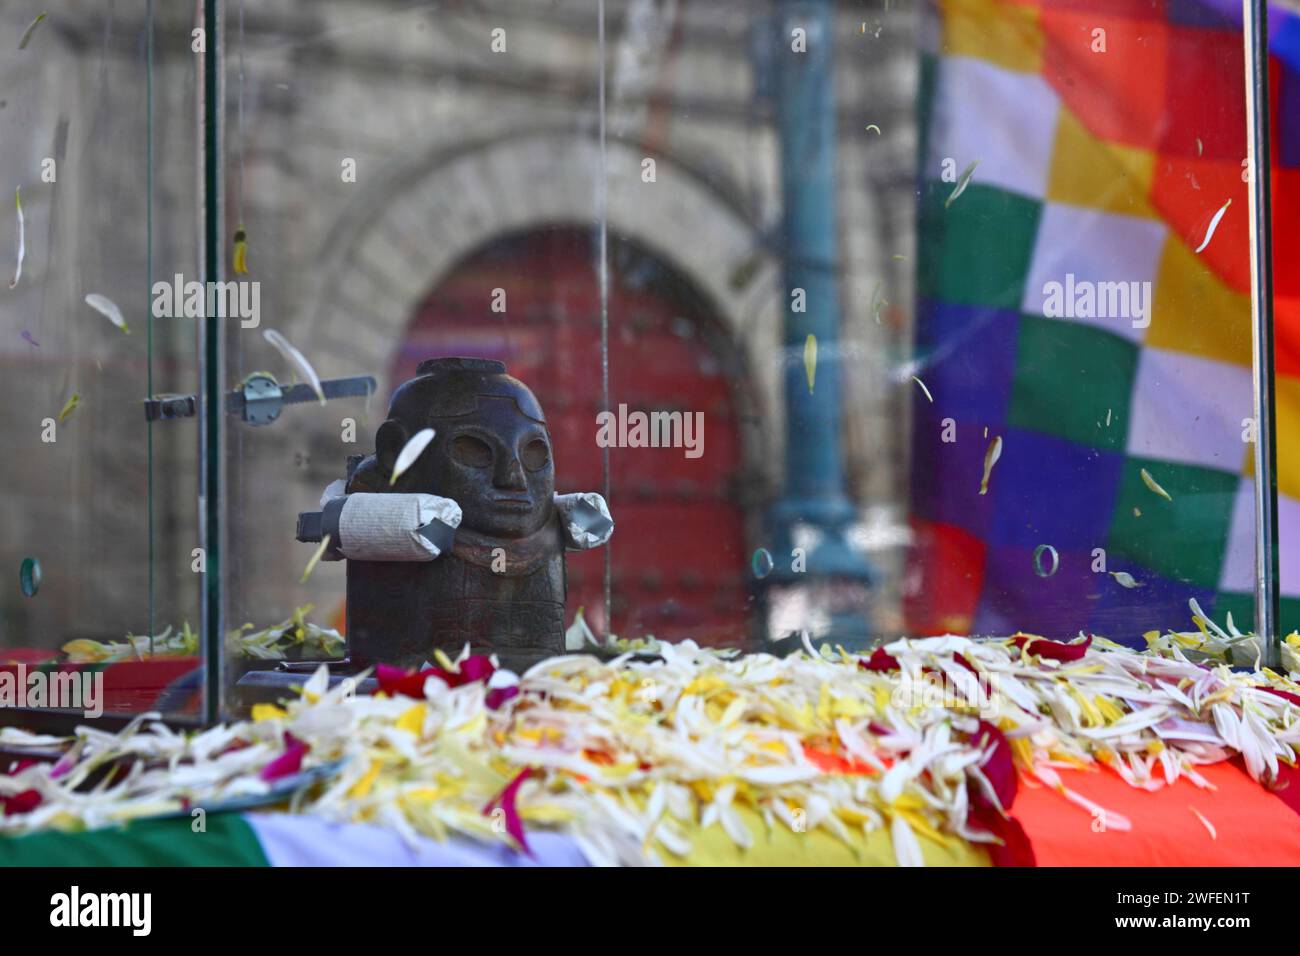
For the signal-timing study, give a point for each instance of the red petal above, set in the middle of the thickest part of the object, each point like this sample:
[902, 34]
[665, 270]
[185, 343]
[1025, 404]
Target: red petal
[999, 768]
[1281, 693]
[394, 681]
[1013, 848]
[879, 661]
[1056, 650]
[506, 800]
[23, 802]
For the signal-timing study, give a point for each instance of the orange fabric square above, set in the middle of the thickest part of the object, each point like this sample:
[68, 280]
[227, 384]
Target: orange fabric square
[1253, 827]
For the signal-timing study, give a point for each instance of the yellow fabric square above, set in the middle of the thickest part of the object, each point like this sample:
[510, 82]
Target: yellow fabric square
[994, 30]
[1091, 172]
[1194, 311]
[1287, 422]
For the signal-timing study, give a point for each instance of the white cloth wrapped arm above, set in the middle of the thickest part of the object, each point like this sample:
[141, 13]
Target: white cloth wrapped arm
[392, 527]
[586, 520]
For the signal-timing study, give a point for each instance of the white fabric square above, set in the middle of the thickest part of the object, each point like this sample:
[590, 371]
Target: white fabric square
[1189, 409]
[1112, 259]
[1013, 145]
[1238, 572]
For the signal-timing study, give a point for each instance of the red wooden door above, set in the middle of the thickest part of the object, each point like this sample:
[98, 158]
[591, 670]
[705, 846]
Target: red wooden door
[679, 561]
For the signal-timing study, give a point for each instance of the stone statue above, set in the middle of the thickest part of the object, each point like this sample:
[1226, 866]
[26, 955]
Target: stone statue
[467, 546]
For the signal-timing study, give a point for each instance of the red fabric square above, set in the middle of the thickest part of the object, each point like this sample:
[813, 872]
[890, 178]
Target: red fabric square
[1205, 94]
[944, 578]
[1119, 94]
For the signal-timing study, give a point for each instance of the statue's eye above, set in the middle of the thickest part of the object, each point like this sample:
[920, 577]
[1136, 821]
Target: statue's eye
[471, 451]
[536, 455]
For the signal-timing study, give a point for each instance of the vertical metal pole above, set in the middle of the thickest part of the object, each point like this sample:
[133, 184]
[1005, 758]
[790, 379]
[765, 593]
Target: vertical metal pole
[1267, 607]
[814, 493]
[602, 214]
[212, 417]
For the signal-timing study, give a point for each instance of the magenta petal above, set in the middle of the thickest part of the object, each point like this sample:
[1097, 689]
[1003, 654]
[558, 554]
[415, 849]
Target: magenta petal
[285, 765]
[506, 800]
[475, 668]
[499, 695]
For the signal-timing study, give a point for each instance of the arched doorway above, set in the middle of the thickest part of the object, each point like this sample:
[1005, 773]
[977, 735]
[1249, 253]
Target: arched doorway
[679, 555]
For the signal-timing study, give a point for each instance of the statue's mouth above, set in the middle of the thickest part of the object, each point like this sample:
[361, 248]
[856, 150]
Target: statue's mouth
[512, 504]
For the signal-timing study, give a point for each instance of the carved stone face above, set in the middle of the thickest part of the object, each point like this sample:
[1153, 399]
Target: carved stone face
[496, 464]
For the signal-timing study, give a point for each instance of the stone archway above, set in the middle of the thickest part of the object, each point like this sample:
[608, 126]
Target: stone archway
[407, 232]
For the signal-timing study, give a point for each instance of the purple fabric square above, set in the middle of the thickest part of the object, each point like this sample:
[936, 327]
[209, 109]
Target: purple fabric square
[1052, 491]
[1123, 614]
[1016, 598]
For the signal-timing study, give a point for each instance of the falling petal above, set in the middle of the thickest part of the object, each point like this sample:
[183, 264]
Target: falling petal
[1038, 560]
[990, 459]
[29, 576]
[296, 359]
[1125, 579]
[22, 236]
[875, 127]
[962, 182]
[923, 388]
[27, 336]
[410, 452]
[31, 28]
[1137, 512]
[1214, 224]
[878, 302]
[1108, 418]
[898, 257]
[761, 563]
[1214, 834]
[108, 308]
[810, 360]
[1200, 147]
[316, 556]
[1154, 486]
[70, 406]
[241, 252]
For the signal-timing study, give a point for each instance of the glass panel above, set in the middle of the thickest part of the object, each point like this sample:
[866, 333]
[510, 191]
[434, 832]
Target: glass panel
[877, 253]
[97, 135]
[888, 319]
[413, 182]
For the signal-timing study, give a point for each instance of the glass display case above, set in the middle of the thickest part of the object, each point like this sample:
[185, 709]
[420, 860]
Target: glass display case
[100, 613]
[861, 319]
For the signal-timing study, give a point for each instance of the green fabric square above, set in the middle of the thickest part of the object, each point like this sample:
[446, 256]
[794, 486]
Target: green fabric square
[1184, 539]
[976, 251]
[1068, 375]
[1242, 607]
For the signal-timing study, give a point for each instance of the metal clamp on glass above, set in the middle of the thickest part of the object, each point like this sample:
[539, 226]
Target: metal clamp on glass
[260, 398]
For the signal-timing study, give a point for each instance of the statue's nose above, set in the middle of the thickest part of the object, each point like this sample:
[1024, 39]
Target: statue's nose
[509, 474]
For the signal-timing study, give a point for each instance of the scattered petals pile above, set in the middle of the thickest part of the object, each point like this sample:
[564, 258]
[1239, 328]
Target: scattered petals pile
[925, 739]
